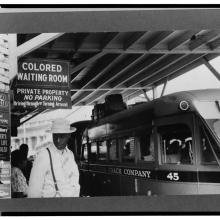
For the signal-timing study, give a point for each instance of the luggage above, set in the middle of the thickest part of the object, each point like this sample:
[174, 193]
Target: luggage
[98, 111]
[113, 103]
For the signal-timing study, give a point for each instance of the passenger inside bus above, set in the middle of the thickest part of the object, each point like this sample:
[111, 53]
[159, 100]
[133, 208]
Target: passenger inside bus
[176, 144]
[84, 153]
[93, 154]
[102, 150]
[207, 147]
[186, 151]
[113, 150]
[173, 151]
[150, 154]
[207, 155]
[146, 144]
[128, 145]
[126, 149]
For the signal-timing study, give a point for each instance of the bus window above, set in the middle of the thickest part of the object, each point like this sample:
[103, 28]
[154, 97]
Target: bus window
[94, 152]
[102, 149]
[146, 146]
[128, 149]
[85, 152]
[113, 150]
[176, 144]
[215, 126]
[208, 145]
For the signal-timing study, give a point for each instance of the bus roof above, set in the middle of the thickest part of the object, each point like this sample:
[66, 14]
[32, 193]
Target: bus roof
[165, 105]
[201, 95]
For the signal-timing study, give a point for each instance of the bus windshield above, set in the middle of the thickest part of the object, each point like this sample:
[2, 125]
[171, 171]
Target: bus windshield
[214, 124]
[210, 111]
[210, 147]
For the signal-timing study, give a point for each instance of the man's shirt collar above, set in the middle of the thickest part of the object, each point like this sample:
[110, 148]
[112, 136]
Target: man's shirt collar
[59, 151]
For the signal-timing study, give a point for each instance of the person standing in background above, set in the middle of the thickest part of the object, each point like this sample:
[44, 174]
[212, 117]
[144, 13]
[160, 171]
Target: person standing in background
[18, 181]
[28, 165]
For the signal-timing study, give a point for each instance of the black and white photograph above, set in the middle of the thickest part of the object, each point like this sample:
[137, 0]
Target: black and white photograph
[120, 105]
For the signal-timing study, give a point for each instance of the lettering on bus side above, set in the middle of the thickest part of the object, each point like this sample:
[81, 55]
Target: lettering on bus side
[160, 175]
[130, 172]
[115, 170]
[177, 176]
[138, 173]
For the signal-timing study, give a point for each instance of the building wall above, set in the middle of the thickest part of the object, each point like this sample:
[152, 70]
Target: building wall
[35, 132]
[32, 134]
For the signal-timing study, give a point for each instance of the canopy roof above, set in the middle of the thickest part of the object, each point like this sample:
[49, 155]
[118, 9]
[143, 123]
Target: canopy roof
[103, 63]
[129, 59]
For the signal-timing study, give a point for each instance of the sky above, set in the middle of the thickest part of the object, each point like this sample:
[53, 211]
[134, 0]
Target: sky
[198, 78]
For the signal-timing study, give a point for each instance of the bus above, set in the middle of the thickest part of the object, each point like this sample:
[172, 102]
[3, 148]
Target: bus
[168, 146]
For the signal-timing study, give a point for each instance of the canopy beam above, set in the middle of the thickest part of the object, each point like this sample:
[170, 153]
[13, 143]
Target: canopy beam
[145, 95]
[211, 68]
[36, 43]
[164, 88]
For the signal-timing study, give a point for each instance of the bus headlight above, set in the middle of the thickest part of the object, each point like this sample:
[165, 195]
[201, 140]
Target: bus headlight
[184, 105]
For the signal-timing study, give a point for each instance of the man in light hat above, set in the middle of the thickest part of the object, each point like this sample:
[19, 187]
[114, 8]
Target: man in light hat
[55, 172]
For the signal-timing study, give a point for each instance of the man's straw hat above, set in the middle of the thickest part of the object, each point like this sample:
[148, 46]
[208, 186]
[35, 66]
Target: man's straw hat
[61, 126]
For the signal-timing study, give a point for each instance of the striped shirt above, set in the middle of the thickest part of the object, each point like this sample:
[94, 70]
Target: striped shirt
[65, 170]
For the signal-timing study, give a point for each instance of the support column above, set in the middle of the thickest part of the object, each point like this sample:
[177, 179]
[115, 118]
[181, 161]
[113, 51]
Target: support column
[211, 68]
[164, 88]
[155, 92]
[34, 142]
[145, 95]
[24, 137]
[38, 140]
[27, 140]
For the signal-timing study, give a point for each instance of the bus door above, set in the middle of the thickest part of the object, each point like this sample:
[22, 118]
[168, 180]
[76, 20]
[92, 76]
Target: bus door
[85, 176]
[146, 183]
[89, 180]
[112, 181]
[103, 181]
[96, 172]
[209, 157]
[127, 146]
[177, 171]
